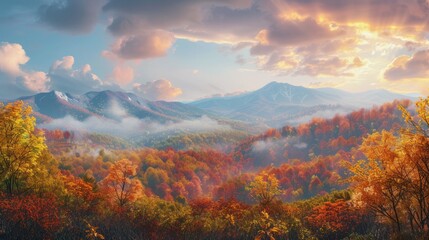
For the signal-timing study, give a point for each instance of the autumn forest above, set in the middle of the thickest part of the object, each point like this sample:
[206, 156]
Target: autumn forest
[363, 175]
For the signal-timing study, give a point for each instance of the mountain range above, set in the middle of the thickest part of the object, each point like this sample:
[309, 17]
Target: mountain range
[276, 104]
[107, 104]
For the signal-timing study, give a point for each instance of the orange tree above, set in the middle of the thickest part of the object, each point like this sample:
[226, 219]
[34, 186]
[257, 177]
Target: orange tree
[393, 180]
[120, 185]
[334, 220]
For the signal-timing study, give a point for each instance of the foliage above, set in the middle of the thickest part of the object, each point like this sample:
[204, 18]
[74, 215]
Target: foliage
[269, 227]
[264, 188]
[334, 220]
[195, 141]
[29, 217]
[120, 186]
[22, 147]
[292, 173]
[393, 181]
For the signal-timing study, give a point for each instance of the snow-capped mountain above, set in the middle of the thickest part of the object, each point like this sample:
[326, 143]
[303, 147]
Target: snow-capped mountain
[107, 104]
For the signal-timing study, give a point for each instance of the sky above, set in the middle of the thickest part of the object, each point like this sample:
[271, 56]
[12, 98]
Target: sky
[190, 49]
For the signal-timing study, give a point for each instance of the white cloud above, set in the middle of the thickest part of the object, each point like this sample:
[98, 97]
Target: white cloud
[14, 79]
[12, 56]
[66, 78]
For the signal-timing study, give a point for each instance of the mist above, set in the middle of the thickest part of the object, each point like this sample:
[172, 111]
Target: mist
[270, 144]
[121, 124]
[131, 126]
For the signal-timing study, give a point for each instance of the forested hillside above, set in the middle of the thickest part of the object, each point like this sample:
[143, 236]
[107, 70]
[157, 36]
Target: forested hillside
[363, 175]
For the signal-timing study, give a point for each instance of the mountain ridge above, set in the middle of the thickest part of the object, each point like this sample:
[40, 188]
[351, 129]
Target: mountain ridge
[272, 105]
[56, 104]
[281, 103]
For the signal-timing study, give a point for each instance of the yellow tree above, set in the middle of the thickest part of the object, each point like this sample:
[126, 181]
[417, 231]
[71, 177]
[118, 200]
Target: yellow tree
[414, 146]
[21, 146]
[121, 184]
[264, 188]
[375, 180]
[394, 179]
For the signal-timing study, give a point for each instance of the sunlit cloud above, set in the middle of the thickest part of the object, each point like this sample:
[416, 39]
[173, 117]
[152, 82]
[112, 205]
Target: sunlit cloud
[14, 79]
[122, 74]
[157, 90]
[409, 68]
[319, 40]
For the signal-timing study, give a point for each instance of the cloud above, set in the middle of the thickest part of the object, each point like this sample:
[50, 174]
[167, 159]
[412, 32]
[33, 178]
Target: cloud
[409, 68]
[12, 56]
[148, 44]
[170, 13]
[13, 79]
[73, 16]
[132, 127]
[279, 62]
[124, 125]
[294, 32]
[326, 114]
[293, 37]
[277, 144]
[122, 74]
[284, 36]
[225, 25]
[158, 90]
[379, 14]
[331, 46]
[34, 81]
[75, 81]
[146, 29]
[334, 66]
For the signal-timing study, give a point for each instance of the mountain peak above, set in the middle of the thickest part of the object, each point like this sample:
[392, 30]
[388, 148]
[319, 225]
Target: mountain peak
[277, 87]
[277, 84]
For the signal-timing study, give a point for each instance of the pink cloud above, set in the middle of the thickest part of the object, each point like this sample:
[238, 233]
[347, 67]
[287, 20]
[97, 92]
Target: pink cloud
[148, 44]
[122, 74]
[406, 68]
[158, 90]
[12, 56]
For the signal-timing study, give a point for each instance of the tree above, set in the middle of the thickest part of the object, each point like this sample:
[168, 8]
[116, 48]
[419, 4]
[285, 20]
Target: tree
[120, 183]
[394, 179]
[21, 146]
[264, 188]
[269, 227]
[375, 179]
[334, 220]
[29, 216]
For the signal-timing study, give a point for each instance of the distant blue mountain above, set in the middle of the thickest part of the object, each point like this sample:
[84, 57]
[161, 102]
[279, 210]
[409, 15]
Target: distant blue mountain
[277, 103]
